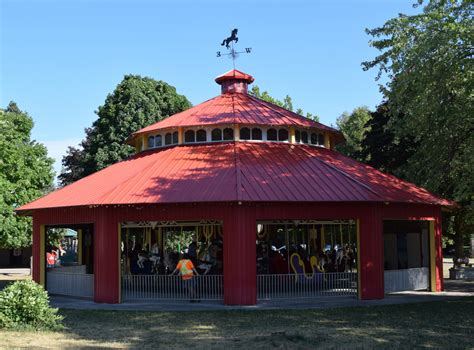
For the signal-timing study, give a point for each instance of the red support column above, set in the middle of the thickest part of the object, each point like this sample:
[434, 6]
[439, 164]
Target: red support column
[370, 254]
[439, 253]
[106, 259]
[240, 266]
[36, 251]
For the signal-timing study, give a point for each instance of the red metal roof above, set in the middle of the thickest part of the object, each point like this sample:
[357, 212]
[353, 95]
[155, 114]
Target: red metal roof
[235, 109]
[235, 75]
[235, 171]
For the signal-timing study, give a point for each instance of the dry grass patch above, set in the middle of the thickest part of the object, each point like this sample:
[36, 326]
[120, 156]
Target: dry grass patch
[436, 324]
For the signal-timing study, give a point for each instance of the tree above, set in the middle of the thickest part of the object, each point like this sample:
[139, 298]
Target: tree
[353, 126]
[26, 173]
[428, 60]
[135, 103]
[287, 102]
[381, 147]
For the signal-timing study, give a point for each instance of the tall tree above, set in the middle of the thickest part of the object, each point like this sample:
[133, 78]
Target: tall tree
[26, 173]
[287, 102]
[353, 126]
[381, 147]
[428, 60]
[135, 103]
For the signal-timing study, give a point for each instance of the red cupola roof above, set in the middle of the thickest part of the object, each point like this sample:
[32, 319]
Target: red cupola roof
[234, 81]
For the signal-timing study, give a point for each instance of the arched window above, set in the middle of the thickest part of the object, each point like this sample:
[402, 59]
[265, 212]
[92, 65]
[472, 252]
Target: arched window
[158, 141]
[245, 134]
[256, 134]
[151, 141]
[314, 138]
[228, 134]
[304, 137]
[168, 138]
[321, 139]
[175, 137]
[189, 136]
[272, 135]
[216, 135]
[297, 136]
[282, 135]
[201, 135]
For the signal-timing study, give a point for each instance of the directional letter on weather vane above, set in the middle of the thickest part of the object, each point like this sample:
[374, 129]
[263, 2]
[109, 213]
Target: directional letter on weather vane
[229, 44]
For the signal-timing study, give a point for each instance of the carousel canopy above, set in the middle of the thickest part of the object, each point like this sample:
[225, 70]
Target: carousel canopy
[235, 170]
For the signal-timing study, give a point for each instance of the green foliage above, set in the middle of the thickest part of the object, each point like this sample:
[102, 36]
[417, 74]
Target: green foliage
[178, 240]
[135, 103]
[287, 102]
[25, 304]
[427, 59]
[26, 173]
[354, 127]
[381, 147]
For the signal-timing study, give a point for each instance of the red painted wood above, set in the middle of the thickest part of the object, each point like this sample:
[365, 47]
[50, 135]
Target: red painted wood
[439, 253]
[240, 269]
[239, 237]
[36, 251]
[106, 259]
[371, 254]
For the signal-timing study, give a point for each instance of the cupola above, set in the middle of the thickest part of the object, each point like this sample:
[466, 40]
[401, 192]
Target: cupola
[234, 81]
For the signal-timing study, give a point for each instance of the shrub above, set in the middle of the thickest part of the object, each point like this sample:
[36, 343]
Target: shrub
[25, 304]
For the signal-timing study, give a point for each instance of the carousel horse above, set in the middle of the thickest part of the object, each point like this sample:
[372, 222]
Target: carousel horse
[232, 37]
[142, 257]
[299, 269]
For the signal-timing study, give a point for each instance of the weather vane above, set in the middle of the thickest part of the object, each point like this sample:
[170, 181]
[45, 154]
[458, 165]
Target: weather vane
[229, 44]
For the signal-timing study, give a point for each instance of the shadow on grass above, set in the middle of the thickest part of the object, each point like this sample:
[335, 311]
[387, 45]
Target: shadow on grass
[430, 324]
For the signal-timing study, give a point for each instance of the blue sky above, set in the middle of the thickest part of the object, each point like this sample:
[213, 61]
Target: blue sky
[60, 59]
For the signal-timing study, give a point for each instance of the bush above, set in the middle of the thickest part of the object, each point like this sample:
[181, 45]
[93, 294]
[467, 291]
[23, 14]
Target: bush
[25, 304]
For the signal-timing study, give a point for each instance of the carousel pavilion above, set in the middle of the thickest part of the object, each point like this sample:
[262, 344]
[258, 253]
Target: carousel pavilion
[257, 198]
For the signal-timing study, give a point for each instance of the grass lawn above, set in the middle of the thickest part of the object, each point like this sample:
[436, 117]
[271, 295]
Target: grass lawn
[445, 324]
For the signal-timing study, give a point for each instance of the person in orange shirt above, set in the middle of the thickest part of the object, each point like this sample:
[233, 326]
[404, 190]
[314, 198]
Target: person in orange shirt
[186, 270]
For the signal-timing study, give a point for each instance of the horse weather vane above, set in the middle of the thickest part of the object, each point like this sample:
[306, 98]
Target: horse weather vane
[229, 44]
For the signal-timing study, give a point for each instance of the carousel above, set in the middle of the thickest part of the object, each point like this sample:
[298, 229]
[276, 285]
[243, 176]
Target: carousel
[237, 200]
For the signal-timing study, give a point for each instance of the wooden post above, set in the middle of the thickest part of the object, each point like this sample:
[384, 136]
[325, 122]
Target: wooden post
[180, 135]
[292, 134]
[240, 253]
[106, 259]
[236, 133]
[370, 254]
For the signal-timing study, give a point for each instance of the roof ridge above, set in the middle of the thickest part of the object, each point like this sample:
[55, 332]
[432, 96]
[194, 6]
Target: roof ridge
[266, 104]
[342, 172]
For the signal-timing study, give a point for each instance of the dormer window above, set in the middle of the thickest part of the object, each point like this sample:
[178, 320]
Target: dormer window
[201, 135]
[175, 137]
[216, 135]
[256, 134]
[321, 140]
[282, 135]
[151, 141]
[189, 136]
[245, 134]
[228, 134]
[272, 135]
[168, 139]
[158, 141]
[304, 137]
[297, 136]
